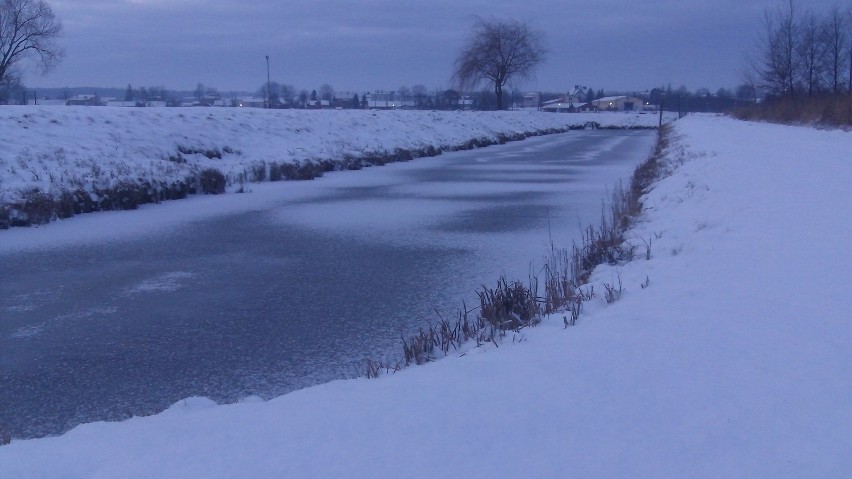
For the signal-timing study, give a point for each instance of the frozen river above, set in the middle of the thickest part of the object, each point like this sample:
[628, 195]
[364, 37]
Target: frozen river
[111, 315]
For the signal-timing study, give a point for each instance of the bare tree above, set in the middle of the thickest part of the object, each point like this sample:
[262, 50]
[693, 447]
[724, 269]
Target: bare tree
[496, 52]
[774, 63]
[811, 52]
[326, 92]
[404, 94]
[288, 94]
[10, 88]
[270, 88]
[419, 93]
[837, 27]
[28, 29]
[746, 92]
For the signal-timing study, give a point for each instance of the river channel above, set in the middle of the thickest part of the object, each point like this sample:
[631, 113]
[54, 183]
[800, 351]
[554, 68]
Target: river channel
[286, 292]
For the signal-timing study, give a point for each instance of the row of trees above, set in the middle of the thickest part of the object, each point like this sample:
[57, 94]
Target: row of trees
[144, 94]
[418, 96]
[803, 52]
[283, 94]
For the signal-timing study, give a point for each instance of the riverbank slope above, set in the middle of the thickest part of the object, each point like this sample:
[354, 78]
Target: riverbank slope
[726, 354]
[57, 162]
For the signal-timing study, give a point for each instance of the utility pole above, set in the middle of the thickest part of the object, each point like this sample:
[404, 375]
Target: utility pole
[268, 94]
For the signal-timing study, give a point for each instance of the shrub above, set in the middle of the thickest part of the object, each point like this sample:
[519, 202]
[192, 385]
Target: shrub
[174, 191]
[212, 181]
[37, 208]
[65, 205]
[257, 171]
[276, 171]
[125, 195]
[400, 154]
[350, 162]
[210, 153]
[213, 153]
[5, 221]
[83, 202]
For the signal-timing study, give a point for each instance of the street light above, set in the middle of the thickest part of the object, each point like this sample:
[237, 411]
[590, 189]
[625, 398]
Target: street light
[268, 94]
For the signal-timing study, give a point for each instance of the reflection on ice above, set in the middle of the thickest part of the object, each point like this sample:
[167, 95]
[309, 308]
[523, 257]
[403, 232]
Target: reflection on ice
[165, 282]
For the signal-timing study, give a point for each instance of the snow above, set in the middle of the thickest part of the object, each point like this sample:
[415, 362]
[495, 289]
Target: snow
[733, 362]
[70, 148]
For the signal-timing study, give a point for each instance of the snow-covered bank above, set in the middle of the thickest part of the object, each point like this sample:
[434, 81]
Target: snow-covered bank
[88, 159]
[732, 362]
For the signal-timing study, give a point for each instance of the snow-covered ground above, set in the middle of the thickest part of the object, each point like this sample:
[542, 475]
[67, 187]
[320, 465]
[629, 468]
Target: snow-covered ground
[58, 149]
[733, 361]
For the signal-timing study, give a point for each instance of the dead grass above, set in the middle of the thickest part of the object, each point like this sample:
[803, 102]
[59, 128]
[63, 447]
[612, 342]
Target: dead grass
[822, 110]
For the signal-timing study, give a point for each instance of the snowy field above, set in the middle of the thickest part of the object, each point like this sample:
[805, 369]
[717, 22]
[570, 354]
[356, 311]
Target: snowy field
[56, 149]
[733, 361]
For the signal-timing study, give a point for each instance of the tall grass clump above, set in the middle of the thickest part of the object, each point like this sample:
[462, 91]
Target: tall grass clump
[212, 181]
[831, 110]
[509, 306]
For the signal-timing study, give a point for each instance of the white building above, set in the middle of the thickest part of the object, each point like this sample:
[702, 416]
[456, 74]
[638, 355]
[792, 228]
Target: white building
[618, 103]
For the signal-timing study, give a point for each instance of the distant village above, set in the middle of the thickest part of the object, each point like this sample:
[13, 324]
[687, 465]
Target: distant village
[578, 99]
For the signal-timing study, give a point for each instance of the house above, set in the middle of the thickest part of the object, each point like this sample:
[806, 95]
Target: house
[84, 100]
[532, 99]
[381, 100]
[46, 102]
[557, 105]
[121, 104]
[578, 95]
[251, 102]
[618, 103]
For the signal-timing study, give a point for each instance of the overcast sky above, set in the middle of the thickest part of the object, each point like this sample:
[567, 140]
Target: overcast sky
[384, 44]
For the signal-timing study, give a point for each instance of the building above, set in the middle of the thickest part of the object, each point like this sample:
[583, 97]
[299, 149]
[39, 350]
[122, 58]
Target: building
[251, 102]
[46, 102]
[532, 99]
[578, 96]
[84, 100]
[120, 104]
[381, 100]
[561, 105]
[618, 103]
[572, 102]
